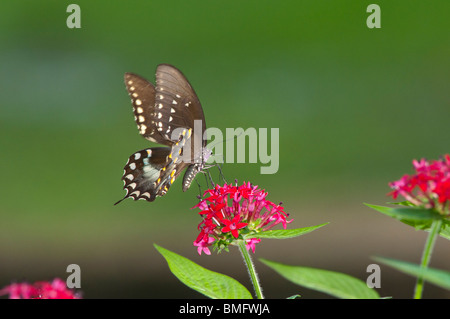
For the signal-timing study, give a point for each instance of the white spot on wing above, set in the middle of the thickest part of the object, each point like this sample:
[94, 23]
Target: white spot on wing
[132, 185]
[135, 193]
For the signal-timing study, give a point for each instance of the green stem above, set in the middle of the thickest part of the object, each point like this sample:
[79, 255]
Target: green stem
[426, 256]
[251, 270]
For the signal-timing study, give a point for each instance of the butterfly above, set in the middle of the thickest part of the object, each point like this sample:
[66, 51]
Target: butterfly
[168, 113]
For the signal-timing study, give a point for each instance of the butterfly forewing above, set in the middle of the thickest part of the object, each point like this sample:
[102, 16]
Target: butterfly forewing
[142, 94]
[177, 99]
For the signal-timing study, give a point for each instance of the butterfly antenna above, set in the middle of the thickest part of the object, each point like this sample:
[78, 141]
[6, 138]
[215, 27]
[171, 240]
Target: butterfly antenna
[222, 141]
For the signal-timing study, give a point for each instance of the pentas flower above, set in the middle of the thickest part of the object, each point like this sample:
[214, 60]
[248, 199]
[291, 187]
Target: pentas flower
[233, 213]
[233, 225]
[250, 243]
[56, 289]
[429, 187]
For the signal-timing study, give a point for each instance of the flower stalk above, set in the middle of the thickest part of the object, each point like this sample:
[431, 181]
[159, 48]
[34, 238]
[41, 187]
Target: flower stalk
[251, 269]
[426, 256]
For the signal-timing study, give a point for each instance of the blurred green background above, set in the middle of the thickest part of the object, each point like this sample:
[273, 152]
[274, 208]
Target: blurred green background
[354, 106]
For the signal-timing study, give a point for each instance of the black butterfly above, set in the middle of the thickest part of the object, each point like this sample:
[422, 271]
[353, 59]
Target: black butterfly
[164, 114]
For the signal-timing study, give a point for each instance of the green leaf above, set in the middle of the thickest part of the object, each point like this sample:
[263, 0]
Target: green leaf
[404, 203]
[284, 233]
[436, 276]
[418, 215]
[333, 283]
[419, 218]
[207, 282]
[445, 229]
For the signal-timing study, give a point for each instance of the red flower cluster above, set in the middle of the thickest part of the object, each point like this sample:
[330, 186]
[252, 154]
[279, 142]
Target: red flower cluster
[39, 290]
[429, 187]
[232, 211]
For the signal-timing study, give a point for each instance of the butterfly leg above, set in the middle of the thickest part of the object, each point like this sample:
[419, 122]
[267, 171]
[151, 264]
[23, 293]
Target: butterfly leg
[219, 167]
[199, 190]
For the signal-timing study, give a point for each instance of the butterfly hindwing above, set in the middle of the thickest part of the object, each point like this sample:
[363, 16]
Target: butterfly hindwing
[148, 173]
